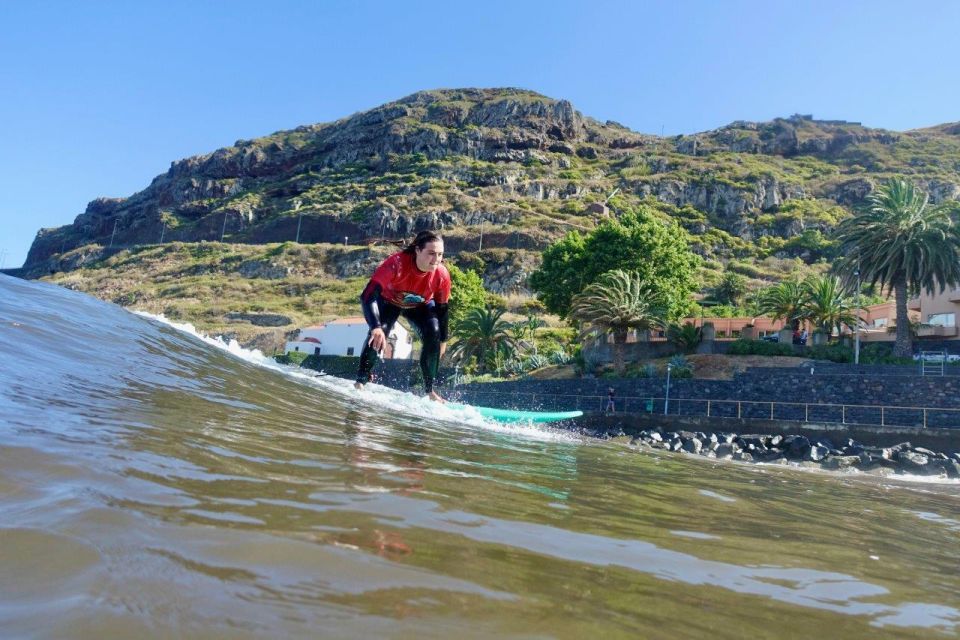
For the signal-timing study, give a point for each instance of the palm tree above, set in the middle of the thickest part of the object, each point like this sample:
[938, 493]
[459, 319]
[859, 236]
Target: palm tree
[784, 300]
[616, 303]
[484, 334]
[686, 337]
[904, 244]
[731, 289]
[826, 304]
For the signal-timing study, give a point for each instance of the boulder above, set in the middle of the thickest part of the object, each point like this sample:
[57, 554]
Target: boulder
[796, 446]
[920, 464]
[692, 445]
[841, 462]
[726, 450]
[817, 453]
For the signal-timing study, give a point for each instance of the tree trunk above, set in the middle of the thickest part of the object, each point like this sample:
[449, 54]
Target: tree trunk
[903, 347]
[619, 341]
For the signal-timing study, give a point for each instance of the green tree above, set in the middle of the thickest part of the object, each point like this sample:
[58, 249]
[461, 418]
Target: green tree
[826, 304]
[466, 293]
[903, 244]
[784, 300]
[486, 336]
[639, 241]
[730, 290]
[686, 337]
[616, 303]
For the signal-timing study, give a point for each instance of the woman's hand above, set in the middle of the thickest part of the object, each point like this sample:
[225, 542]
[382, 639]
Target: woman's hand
[377, 339]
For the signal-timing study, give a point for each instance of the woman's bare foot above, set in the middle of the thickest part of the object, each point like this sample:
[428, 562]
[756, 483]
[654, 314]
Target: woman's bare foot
[433, 395]
[358, 385]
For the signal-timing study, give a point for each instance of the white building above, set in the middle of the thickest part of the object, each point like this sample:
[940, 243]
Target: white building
[344, 337]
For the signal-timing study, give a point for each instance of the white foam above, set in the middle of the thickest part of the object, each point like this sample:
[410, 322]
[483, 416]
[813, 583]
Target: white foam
[373, 394]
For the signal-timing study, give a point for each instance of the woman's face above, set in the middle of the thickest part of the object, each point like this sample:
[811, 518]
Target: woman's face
[430, 256]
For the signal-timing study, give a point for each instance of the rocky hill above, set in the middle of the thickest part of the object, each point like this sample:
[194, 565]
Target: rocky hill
[524, 166]
[508, 171]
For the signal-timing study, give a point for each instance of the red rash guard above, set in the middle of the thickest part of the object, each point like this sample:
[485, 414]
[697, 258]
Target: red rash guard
[403, 285]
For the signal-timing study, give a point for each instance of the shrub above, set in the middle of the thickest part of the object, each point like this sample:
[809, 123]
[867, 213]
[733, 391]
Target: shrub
[880, 353]
[759, 348]
[831, 352]
[680, 367]
[293, 357]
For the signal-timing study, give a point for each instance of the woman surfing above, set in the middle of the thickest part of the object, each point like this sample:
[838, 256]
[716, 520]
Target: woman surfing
[415, 284]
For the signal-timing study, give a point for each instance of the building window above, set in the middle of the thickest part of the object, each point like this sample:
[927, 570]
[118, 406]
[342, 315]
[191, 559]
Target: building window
[349, 351]
[942, 319]
[296, 348]
[879, 322]
[316, 351]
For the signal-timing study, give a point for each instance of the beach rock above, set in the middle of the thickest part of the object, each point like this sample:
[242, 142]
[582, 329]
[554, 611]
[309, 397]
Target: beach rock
[796, 447]
[817, 453]
[768, 455]
[952, 467]
[692, 445]
[920, 464]
[853, 449]
[726, 450]
[743, 456]
[826, 442]
[775, 441]
[841, 462]
[752, 442]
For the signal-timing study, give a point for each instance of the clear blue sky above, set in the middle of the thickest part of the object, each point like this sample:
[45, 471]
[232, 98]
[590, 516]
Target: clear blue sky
[98, 97]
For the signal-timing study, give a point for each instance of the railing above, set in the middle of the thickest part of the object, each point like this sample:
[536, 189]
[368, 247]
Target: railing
[852, 414]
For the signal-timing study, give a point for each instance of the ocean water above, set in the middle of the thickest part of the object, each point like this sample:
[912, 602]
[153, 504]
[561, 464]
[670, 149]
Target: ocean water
[156, 484]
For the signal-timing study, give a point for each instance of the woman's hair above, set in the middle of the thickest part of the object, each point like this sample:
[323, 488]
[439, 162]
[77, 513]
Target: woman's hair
[423, 239]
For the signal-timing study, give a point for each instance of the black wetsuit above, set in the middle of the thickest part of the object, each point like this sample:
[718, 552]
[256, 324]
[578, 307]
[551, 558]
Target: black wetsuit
[429, 319]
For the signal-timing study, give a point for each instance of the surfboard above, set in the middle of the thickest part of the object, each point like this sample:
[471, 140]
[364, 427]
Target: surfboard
[512, 415]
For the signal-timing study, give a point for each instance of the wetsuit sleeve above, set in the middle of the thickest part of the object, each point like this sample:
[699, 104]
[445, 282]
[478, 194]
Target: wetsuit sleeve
[442, 298]
[370, 303]
[441, 311]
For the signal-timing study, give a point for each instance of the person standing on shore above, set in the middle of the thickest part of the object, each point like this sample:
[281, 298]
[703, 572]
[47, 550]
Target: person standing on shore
[610, 401]
[415, 284]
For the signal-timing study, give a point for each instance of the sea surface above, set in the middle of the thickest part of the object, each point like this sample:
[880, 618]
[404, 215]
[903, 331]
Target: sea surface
[158, 484]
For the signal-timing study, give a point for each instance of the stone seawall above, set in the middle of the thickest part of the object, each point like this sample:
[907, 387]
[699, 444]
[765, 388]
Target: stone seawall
[798, 395]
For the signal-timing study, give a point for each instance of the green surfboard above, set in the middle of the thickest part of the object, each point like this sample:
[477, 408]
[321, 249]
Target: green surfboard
[511, 415]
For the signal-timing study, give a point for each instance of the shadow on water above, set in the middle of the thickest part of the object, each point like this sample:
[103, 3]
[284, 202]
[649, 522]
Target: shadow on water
[154, 484]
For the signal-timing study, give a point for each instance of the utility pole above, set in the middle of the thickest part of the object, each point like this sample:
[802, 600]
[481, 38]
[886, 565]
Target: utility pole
[666, 397]
[480, 248]
[3, 258]
[163, 229]
[112, 235]
[296, 207]
[224, 229]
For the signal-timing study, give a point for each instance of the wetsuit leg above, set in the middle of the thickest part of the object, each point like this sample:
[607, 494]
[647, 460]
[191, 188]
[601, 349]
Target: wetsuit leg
[369, 356]
[425, 320]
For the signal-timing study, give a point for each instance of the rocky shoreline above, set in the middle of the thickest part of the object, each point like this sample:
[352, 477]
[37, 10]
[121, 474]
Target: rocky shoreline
[900, 459]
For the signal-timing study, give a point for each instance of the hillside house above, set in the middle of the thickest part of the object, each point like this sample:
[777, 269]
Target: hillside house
[344, 337]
